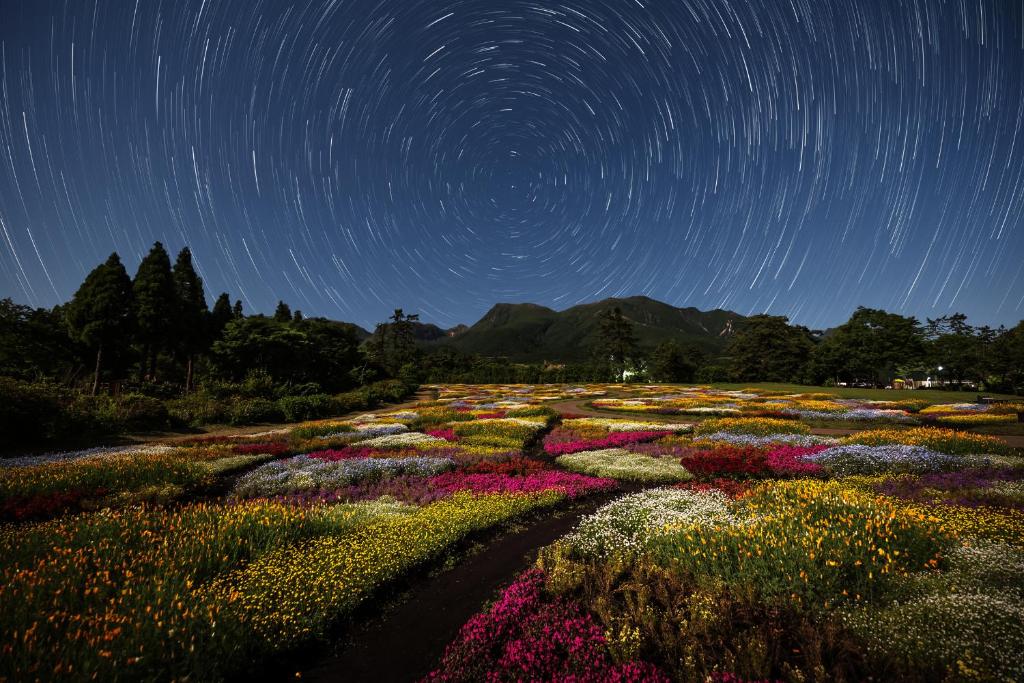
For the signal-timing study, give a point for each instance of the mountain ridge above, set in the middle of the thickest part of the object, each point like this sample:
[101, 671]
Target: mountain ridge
[528, 332]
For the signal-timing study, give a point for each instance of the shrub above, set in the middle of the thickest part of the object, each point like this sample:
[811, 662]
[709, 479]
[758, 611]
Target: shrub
[200, 408]
[246, 411]
[31, 413]
[300, 408]
[133, 412]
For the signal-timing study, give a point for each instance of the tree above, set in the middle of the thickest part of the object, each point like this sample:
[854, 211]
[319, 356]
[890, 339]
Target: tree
[297, 317]
[155, 306]
[237, 310]
[100, 313]
[869, 347]
[34, 342]
[959, 348]
[617, 341]
[283, 314]
[767, 348]
[403, 339]
[192, 312]
[220, 316]
[1007, 358]
[670, 363]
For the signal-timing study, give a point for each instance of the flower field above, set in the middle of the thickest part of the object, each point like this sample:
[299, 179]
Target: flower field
[745, 547]
[893, 553]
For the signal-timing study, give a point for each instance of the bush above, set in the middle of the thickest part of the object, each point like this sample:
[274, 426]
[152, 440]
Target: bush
[198, 409]
[135, 412]
[301, 408]
[246, 411]
[30, 413]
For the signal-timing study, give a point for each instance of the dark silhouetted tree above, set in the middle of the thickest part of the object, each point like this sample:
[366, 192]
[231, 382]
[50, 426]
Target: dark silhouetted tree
[100, 314]
[155, 307]
[617, 342]
[767, 348]
[220, 316]
[283, 313]
[192, 313]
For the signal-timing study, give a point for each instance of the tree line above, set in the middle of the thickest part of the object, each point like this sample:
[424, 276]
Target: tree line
[156, 330]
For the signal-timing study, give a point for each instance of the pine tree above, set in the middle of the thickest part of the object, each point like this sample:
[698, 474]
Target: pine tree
[100, 314]
[220, 316]
[283, 313]
[618, 342]
[237, 310]
[297, 317]
[154, 305]
[192, 312]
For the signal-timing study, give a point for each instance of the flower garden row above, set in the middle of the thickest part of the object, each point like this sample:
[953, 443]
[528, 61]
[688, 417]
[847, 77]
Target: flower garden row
[770, 553]
[825, 407]
[315, 520]
[767, 554]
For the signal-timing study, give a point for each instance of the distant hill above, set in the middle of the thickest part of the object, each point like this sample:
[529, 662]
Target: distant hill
[528, 332]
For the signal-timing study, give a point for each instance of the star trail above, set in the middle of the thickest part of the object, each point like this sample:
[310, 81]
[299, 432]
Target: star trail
[796, 157]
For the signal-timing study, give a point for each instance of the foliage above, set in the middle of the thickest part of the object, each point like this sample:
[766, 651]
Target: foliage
[767, 348]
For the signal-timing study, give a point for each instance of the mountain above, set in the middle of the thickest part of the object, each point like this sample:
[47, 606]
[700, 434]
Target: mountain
[528, 332]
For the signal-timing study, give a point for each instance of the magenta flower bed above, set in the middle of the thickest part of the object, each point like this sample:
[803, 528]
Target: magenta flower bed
[613, 440]
[446, 434]
[422, 490]
[788, 460]
[523, 636]
[573, 485]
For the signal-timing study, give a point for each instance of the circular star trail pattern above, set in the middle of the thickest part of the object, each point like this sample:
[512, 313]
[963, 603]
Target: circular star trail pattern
[795, 157]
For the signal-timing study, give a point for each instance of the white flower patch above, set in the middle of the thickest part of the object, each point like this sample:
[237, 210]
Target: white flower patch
[613, 425]
[618, 463]
[626, 525]
[403, 440]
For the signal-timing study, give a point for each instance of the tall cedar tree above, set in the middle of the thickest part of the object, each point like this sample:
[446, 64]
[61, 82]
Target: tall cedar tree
[192, 312]
[618, 343]
[283, 313]
[220, 316]
[100, 314]
[155, 306]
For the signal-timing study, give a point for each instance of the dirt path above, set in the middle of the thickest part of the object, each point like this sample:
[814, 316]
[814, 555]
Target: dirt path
[578, 407]
[407, 639]
[174, 437]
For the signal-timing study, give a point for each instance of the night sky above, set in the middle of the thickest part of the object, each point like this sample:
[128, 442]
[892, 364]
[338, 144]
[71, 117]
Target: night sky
[796, 157]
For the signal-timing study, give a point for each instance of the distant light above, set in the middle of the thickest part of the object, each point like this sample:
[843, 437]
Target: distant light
[940, 368]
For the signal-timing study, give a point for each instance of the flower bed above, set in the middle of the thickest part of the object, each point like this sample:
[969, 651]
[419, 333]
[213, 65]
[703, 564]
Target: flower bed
[618, 463]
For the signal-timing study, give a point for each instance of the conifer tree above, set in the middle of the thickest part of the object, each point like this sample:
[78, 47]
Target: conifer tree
[153, 288]
[237, 310]
[220, 316]
[283, 313]
[100, 314]
[192, 312]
